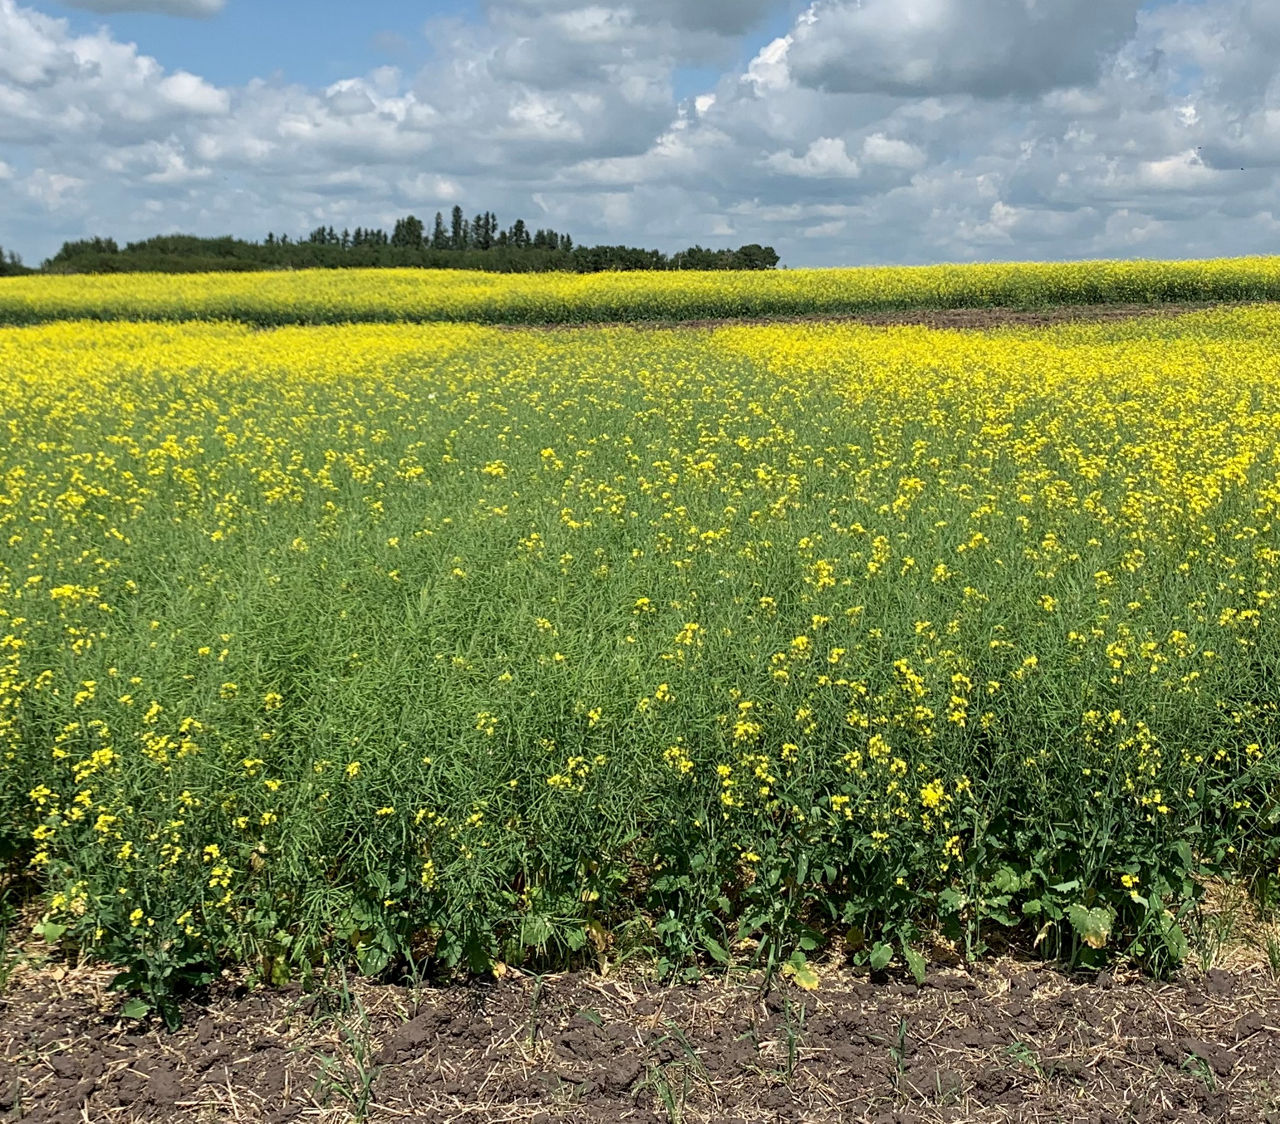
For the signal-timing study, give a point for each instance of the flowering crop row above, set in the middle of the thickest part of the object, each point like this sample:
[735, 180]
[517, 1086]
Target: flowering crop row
[339, 296]
[468, 644]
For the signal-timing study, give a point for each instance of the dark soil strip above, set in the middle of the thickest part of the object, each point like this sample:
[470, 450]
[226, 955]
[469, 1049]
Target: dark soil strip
[1006, 1042]
[977, 319]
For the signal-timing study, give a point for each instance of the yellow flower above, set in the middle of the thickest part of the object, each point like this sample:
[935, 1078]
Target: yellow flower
[934, 795]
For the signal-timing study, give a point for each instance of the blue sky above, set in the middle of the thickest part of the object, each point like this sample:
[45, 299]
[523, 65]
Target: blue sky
[314, 42]
[838, 130]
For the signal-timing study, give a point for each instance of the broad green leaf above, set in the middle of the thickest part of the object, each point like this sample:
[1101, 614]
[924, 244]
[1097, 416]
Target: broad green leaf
[1092, 925]
[135, 1008]
[1007, 881]
[49, 931]
[715, 949]
[915, 962]
[801, 973]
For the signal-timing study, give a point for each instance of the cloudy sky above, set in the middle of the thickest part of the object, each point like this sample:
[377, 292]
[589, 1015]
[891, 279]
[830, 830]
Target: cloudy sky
[839, 131]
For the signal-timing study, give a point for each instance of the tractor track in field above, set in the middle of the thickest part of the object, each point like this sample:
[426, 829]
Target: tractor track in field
[963, 319]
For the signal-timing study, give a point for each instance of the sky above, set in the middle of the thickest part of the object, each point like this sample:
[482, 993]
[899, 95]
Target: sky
[841, 132]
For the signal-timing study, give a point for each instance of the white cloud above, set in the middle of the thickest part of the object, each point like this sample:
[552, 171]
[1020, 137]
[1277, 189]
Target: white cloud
[884, 130]
[769, 69]
[1183, 171]
[826, 229]
[892, 153]
[51, 190]
[990, 48]
[825, 157]
[194, 95]
[55, 86]
[718, 17]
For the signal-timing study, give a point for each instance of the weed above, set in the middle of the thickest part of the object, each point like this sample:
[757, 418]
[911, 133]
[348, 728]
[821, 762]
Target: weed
[1024, 1054]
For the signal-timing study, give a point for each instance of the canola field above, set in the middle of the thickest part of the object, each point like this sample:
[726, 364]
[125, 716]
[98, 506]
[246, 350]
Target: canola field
[457, 646]
[416, 295]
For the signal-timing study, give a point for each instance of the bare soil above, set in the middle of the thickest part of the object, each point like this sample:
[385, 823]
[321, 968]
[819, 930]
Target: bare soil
[1006, 1041]
[975, 319]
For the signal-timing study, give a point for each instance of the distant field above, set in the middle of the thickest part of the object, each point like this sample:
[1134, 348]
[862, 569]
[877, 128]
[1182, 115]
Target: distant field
[387, 295]
[463, 645]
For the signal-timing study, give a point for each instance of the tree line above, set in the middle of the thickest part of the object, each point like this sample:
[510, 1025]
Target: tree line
[455, 243]
[11, 264]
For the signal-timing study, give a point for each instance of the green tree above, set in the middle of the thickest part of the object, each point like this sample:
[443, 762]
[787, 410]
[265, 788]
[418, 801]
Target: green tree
[408, 233]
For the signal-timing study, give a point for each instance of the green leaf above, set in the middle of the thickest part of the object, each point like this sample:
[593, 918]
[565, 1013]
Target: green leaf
[952, 901]
[135, 1008]
[372, 960]
[535, 931]
[806, 978]
[801, 972]
[881, 954]
[1175, 940]
[49, 931]
[1008, 881]
[915, 962]
[1092, 925]
[715, 949]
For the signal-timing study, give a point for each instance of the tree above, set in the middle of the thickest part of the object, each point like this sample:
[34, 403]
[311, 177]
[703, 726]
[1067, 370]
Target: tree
[519, 248]
[10, 263]
[484, 230]
[86, 247]
[408, 233]
[755, 256]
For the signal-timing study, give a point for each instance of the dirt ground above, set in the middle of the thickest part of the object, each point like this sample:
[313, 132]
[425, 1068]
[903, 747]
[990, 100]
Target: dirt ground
[957, 318]
[1007, 1041]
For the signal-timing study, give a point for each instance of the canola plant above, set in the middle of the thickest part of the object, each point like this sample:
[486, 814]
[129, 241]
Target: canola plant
[415, 295]
[468, 644]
